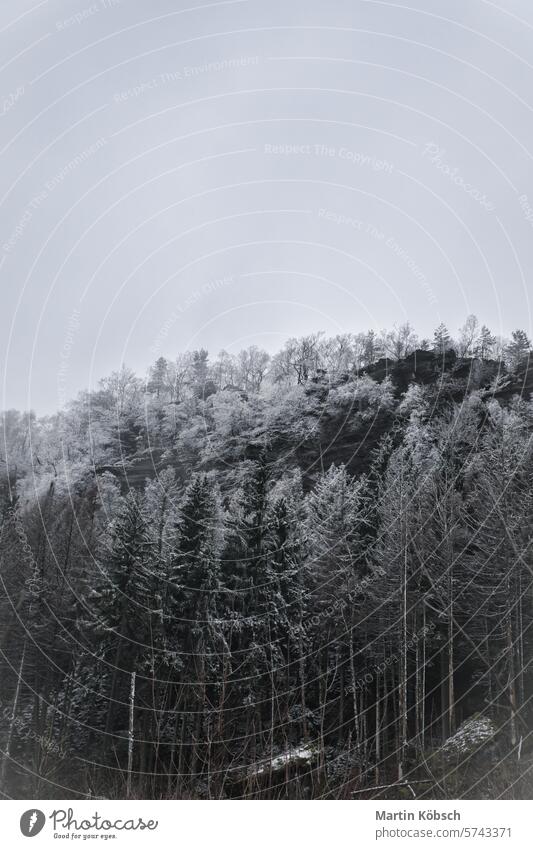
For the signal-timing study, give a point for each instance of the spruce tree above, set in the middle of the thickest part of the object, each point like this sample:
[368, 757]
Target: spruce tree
[441, 340]
[518, 350]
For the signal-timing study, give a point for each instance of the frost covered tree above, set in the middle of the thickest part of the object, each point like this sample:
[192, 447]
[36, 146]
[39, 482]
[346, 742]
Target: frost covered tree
[468, 337]
[486, 343]
[518, 350]
[399, 342]
[442, 341]
[292, 578]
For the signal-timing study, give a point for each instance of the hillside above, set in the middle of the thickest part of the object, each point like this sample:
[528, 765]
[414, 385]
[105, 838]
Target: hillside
[290, 577]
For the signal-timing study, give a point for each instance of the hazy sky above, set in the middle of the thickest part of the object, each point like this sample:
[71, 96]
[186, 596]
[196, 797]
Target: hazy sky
[185, 174]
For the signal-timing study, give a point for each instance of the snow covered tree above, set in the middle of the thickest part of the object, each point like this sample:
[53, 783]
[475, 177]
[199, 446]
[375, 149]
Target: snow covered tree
[441, 340]
[468, 337]
[372, 349]
[196, 614]
[298, 360]
[158, 377]
[277, 579]
[203, 385]
[399, 342]
[252, 366]
[485, 344]
[518, 350]
[126, 604]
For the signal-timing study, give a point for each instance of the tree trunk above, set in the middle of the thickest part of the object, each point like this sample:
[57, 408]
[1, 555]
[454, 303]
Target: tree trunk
[131, 736]
[7, 751]
[378, 739]
[403, 675]
[511, 670]
[451, 693]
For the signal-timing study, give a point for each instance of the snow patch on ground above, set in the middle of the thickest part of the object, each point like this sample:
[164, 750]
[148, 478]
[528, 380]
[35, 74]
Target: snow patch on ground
[300, 755]
[470, 736]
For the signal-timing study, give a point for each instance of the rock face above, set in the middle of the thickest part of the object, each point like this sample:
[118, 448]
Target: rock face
[453, 375]
[472, 735]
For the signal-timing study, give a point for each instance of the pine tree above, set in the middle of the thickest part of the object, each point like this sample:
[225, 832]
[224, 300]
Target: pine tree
[203, 386]
[371, 348]
[126, 604]
[220, 633]
[334, 522]
[501, 503]
[158, 379]
[196, 627]
[485, 344]
[518, 350]
[441, 340]
[393, 596]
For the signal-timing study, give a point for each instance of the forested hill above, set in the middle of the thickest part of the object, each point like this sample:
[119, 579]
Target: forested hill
[306, 575]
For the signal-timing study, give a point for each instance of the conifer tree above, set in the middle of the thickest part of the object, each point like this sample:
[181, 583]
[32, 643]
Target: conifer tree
[518, 350]
[441, 340]
[126, 604]
[485, 344]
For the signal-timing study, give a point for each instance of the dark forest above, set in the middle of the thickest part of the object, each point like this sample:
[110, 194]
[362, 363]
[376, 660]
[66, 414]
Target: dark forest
[306, 575]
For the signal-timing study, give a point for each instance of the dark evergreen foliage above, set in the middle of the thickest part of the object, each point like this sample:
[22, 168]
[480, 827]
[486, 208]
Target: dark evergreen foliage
[305, 573]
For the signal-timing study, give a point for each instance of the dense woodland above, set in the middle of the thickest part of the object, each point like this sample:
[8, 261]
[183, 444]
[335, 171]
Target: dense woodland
[306, 575]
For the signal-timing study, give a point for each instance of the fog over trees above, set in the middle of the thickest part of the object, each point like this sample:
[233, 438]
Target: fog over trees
[306, 575]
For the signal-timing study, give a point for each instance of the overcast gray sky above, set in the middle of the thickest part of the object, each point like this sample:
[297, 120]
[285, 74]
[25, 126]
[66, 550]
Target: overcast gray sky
[178, 174]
